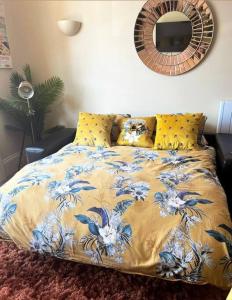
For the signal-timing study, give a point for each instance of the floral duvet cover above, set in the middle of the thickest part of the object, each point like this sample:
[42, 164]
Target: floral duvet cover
[156, 213]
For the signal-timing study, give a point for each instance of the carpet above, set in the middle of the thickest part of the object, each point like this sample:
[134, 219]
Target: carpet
[25, 275]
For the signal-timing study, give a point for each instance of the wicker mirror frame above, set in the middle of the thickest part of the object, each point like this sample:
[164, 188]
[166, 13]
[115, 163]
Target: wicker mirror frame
[201, 18]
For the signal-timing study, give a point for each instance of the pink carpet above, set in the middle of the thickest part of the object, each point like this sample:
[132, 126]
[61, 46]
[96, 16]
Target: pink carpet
[25, 275]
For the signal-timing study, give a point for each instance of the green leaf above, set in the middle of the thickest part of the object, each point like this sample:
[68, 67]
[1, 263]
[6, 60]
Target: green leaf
[15, 80]
[10, 108]
[46, 93]
[27, 73]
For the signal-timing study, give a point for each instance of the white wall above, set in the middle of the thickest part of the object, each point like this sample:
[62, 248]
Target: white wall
[100, 67]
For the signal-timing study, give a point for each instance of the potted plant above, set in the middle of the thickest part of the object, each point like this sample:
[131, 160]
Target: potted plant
[45, 94]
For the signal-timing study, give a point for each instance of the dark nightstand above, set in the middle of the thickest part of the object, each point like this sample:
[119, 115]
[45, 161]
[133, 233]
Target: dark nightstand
[224, 162]
[50, 144]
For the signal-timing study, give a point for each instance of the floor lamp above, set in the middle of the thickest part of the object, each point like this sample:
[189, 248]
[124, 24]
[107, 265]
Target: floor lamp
[26, 92]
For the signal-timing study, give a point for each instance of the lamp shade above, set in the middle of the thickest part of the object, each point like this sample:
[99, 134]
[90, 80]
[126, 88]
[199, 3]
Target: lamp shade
[69, 27]
[25, 90]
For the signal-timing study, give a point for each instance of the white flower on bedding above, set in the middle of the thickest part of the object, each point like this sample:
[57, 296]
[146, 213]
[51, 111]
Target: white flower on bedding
[182, 258]
[66, 192]
[184, 203]
[175, 202]
[63, 189]
[108, 235]
[51, 236]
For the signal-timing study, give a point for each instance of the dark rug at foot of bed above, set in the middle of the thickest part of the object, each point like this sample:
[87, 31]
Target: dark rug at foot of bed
[25, 275]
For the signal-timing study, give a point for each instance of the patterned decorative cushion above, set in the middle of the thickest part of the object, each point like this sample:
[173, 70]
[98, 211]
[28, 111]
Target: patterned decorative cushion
[94, 129]
[115, 131]
[136, 132]
[177, 131]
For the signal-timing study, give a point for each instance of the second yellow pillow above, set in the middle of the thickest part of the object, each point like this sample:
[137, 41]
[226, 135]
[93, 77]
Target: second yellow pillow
[177, 131]
[136, 132]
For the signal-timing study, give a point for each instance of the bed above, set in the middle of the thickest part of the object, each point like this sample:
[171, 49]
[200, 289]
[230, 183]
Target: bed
[137, 210]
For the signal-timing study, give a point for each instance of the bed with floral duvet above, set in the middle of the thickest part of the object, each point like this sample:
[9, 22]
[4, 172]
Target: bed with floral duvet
[155, 213]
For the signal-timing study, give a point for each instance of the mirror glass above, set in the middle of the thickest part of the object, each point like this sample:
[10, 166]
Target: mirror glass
[172, 33]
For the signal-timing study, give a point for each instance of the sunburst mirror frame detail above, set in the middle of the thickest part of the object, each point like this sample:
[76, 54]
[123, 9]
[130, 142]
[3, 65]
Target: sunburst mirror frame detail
[201, 18]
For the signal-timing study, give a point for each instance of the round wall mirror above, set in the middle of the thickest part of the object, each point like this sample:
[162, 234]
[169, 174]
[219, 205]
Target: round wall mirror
[173, 36]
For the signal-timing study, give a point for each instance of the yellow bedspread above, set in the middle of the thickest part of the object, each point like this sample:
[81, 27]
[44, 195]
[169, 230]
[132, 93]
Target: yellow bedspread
[156, 213]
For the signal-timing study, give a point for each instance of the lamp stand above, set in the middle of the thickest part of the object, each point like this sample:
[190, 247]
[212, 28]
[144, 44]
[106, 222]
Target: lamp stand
[31, 113]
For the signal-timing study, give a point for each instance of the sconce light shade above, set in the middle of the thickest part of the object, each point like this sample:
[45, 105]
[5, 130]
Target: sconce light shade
[69, 27]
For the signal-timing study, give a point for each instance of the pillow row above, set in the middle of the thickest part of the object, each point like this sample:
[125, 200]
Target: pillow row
[173, 131]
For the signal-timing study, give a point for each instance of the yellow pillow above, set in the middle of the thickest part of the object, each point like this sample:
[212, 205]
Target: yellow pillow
[177, 131]
[136, 132]
[94, 129]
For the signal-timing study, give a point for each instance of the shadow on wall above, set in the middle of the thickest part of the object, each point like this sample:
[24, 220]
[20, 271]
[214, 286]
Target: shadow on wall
[65, 112]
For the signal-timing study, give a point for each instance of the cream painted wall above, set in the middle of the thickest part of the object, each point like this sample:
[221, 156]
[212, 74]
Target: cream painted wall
[100, 67]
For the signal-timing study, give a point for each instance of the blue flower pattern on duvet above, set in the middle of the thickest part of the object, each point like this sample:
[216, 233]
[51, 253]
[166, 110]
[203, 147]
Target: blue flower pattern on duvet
[143, 155]
[177, 262]
[173, 178]
[176, 160]
[225, 238]
[49, 160]
[125, 186]
[74, 171]
[51, 237]
[175, 201]
[120, 166]
[17, 190]
[209, 175]
[109, 236]
[70, 149]
[66, 192]
[101, 153]
[7, 209]
[35, 177]
[184, 203]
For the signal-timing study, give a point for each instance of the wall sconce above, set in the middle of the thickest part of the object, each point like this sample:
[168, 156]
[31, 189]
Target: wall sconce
[69, 27]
